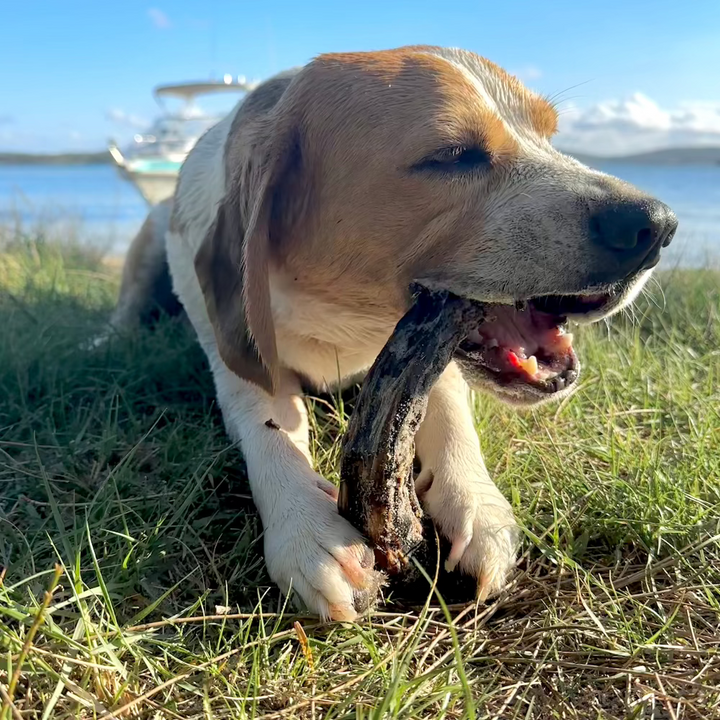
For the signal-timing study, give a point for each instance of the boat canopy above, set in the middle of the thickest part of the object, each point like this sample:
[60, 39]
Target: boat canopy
[188, 90]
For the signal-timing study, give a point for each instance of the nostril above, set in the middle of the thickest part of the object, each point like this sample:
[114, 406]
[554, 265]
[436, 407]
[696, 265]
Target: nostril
[644, 237]
[632, 227]
[670, 235]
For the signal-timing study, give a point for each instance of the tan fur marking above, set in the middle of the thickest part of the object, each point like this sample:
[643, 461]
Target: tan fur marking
[460, 113]
[541, 113]
[543, 116]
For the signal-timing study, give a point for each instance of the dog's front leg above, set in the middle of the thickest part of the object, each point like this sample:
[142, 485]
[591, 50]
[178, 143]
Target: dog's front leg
[457, 491]
[308, 546]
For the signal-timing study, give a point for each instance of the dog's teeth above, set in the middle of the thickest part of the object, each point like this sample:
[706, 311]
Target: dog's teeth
[530, 366]
[564, 342]
[527, 365]
[493, 343]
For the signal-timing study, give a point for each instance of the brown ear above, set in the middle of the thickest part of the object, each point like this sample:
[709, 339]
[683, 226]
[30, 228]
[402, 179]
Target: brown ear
[232, 265]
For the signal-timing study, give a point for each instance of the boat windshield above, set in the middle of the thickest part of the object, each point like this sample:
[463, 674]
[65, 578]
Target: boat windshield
[176, 133]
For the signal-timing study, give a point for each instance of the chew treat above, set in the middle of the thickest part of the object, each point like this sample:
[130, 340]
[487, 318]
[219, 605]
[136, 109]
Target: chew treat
[377, 493]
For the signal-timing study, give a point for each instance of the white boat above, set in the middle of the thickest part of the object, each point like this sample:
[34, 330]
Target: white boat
[153, 160]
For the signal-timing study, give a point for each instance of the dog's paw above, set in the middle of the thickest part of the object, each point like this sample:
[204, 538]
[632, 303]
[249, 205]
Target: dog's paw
[472, 513]
[310, 548]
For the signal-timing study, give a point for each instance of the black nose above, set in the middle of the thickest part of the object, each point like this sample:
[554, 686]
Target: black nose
[635, 229]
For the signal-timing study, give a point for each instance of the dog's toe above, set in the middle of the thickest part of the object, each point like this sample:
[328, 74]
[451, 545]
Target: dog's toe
[481, 528]
[313, 550]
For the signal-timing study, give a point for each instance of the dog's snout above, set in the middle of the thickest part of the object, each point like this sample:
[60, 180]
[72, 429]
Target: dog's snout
[636, 229]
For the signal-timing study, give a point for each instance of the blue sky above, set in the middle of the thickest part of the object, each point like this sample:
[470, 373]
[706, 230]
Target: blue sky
[631, 73]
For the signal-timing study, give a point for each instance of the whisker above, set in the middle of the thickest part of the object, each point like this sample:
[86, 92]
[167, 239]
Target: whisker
[659, 286]
[555, 98]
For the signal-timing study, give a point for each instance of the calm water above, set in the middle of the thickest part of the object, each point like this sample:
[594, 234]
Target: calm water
[94, 203]
[90, 202]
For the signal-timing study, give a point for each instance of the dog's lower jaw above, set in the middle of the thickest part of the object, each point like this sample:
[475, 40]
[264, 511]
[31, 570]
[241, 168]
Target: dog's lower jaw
[515, 396]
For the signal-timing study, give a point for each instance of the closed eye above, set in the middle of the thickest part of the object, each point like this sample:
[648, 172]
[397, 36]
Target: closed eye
[455, 159]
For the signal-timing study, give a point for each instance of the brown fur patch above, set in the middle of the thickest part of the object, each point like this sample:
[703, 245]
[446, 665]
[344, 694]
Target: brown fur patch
[146, 287]
[543, 116]
[233, 261]
[221, 272]
[541, 113]
[474, 125]
[460, 113]
[257, 104]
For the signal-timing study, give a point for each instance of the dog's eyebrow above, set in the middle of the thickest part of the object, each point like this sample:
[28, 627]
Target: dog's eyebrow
[543, 115]
[510, 100]
[476, 127]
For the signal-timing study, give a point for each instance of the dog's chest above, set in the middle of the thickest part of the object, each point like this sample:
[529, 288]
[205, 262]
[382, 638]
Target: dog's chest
[325, 342]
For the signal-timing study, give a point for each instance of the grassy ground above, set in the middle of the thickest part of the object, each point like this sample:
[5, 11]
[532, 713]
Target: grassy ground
[115, 467]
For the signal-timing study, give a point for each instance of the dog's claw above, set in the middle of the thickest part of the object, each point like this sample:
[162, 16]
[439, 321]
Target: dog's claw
[459, 546]
[342, 613]
[359, 572]
[484, 586]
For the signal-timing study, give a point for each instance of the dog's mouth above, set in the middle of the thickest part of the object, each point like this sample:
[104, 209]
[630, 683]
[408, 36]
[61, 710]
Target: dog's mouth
[526, 348]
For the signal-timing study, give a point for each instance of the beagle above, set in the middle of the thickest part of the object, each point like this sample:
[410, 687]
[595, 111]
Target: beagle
[298, 225]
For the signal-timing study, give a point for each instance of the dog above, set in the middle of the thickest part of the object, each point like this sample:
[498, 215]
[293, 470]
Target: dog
[300, 222]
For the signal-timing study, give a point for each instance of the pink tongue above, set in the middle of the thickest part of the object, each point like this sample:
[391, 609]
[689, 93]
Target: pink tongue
[519, 330]
[514, 360]
[520, 335]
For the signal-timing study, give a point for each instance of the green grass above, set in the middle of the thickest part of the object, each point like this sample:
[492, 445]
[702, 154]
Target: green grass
[115, 466]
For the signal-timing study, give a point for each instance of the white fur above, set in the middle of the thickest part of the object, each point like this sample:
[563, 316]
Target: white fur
[325, 343]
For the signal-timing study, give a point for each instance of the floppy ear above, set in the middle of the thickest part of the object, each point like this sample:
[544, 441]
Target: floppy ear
[232, 265]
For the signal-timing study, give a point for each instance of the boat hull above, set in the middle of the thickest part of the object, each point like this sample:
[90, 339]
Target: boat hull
[154, 187]
[154, 178]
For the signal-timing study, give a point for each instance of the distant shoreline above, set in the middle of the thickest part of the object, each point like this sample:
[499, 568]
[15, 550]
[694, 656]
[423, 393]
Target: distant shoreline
[95, 158]
[667, 157]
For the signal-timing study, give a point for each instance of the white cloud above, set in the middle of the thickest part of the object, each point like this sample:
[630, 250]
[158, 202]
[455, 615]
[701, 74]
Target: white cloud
[128, 120]
[638, 124]
[159, 19]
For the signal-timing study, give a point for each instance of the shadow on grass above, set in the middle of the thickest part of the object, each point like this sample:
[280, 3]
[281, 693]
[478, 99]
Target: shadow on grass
[124, 441]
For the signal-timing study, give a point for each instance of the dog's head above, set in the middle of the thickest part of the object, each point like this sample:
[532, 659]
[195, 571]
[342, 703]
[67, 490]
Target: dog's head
[376, 170]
